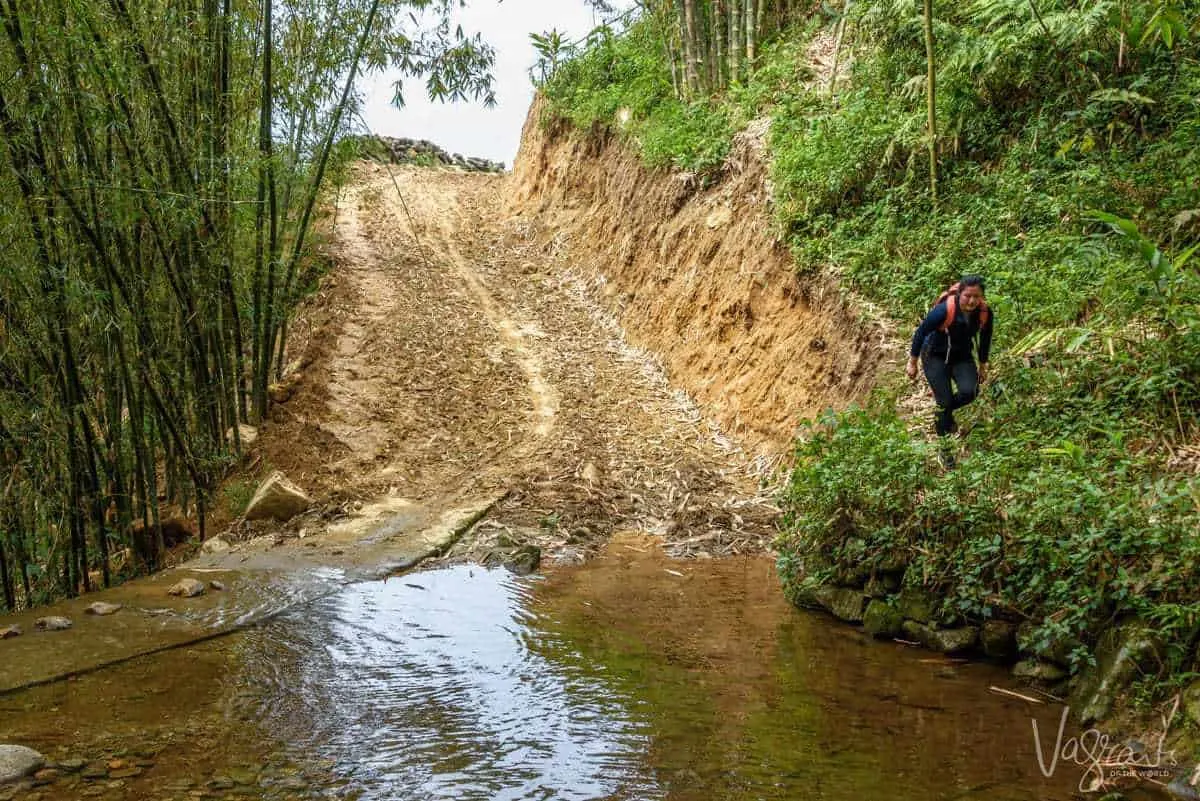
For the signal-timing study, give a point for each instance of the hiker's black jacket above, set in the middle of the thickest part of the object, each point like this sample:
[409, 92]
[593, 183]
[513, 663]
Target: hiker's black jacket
[962, 332]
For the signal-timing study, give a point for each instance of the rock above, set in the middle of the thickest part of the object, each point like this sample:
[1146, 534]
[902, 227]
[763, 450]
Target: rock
[96, 770]
[71, 765]
[283, 391]
[102, 608]
[17, 762]
[882, 620]
[187, 588]
[219, 586]
[1033, 670]
[916, 604]
[1191, 702]
[945, 641]
[803, 580]
[221, 783]
[999, 639]
[215, 545]
[524, 560]
[1122, 654]
[803, 594]
[125, 773]
[277, 498]
[10, 631]
[45, 776]
[843, 603]
[246, 433]
[53, 623]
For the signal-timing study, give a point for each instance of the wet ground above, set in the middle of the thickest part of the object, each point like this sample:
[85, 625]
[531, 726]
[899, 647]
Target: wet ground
[631, 677]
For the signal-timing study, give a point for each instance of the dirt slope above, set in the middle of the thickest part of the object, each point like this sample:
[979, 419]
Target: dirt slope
[449, 356]
[698, 277]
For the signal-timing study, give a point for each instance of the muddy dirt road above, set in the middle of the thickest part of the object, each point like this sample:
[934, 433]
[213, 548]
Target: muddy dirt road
[452, 355]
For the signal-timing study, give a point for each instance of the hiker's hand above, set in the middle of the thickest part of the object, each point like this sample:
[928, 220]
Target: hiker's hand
[982, 373]
[912, 368]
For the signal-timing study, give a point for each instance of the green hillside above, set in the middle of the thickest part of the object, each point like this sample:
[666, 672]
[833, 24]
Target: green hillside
[1068, 156]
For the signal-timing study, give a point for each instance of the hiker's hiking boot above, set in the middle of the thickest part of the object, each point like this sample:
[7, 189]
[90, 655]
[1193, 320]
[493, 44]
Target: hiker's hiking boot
[946, 457]
[943, 423]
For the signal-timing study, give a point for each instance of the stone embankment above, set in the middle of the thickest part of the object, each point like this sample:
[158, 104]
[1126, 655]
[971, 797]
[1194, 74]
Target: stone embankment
[420, 152]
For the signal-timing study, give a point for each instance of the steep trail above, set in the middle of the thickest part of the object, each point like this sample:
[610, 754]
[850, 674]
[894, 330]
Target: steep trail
[457, 359]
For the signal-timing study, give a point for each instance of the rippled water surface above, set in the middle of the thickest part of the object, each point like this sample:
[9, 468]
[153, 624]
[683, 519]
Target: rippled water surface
[632, 677]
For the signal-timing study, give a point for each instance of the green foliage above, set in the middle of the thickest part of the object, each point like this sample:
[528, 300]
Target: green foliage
[163, 162]
[627, 78]
[1069, 155]
[236, 496]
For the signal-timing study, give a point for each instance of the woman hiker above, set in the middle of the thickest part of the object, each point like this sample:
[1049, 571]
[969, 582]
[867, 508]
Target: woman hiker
[945, 343]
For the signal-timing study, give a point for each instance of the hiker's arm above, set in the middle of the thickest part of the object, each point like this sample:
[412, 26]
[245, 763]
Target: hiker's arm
[931, 323]
[985, 346]
[985, 339]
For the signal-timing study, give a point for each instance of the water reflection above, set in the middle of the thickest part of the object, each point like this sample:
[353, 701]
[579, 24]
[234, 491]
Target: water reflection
[426, 688]
[631, 677]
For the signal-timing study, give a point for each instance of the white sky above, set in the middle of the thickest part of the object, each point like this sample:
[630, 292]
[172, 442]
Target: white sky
[469, 128]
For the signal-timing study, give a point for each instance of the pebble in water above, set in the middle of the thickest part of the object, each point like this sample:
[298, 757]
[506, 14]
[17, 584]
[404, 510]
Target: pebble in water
[53, 623]
[45, 776]
[17, 761]
[187, 588]
[102, 608]
[10, 631]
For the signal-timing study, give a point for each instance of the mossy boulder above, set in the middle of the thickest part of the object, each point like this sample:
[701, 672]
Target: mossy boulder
[803, 594]
[998, 639]
[843, 603]
[945, 641]
[881, 619]
[1036, 672]
[1123, 654]
[916, 604]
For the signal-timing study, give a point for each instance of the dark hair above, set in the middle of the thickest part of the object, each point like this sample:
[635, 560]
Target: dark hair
[971, 280]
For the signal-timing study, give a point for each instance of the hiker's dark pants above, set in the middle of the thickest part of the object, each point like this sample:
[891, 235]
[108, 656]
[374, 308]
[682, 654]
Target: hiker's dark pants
[965, 377]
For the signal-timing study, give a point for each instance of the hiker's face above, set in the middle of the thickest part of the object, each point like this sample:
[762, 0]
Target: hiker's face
[970, 298]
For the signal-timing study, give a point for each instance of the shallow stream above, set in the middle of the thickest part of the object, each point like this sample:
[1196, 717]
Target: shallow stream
[632, 677]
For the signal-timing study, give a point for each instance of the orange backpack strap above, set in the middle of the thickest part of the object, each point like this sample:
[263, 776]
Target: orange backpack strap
[951, 310]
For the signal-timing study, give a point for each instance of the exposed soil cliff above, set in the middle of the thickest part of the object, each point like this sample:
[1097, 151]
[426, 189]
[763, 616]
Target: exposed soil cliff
[698, 276]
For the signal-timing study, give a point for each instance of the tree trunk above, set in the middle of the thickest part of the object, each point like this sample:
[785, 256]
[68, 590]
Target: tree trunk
[931, 97]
